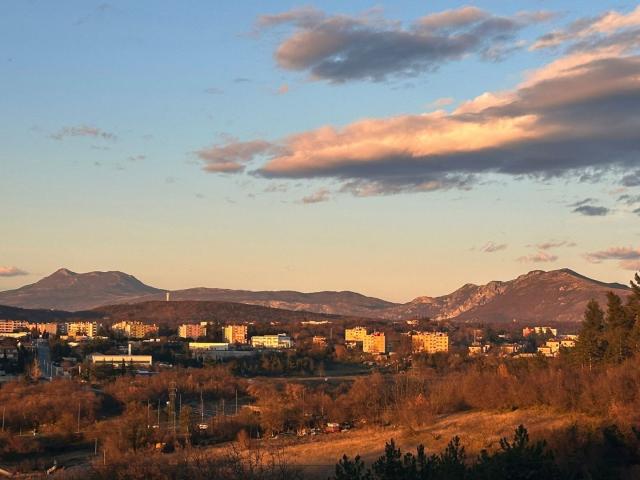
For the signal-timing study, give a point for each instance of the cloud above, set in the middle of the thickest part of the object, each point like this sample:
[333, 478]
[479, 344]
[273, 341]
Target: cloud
[628, 257]
[283, 89]
[342, 48]
[551, 244]
[7, 271]
[574, 118]
[602, 31]
[632, 179]
[214, 91]
[592, 211]
[136, 158]
[539, 257]
[629, 199]
[83, 131]
[321, 195]
[232, 156]
[491, 247]
[442, 102]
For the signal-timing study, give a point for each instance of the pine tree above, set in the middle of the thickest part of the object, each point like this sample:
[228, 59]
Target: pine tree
[591, 343]
[618, 329]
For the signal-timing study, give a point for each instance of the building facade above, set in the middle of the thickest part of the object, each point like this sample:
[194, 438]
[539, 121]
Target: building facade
[10, 326]
[375, 343]
[430, 342]
[281, 340]
[82, 329]
[118, 360]
[135, 329]
[192, 330]
[235, 333]
[355, 334]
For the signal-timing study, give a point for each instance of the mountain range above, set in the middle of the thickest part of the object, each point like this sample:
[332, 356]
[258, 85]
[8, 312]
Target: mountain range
[538, 296]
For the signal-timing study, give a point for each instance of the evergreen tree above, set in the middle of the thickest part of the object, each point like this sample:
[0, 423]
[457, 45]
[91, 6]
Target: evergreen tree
[591, 343]
[618, 329]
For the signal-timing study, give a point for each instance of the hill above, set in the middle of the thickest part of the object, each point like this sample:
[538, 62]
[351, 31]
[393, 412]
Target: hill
[67, 290]
[538, 296]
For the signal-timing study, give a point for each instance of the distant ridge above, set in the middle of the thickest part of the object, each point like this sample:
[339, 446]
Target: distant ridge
[537, 296]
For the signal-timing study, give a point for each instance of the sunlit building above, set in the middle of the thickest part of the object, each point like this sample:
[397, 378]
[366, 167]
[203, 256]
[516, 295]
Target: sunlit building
[135, 329]
[430, 342]
[281, 340]
[355, 334]
[374, 343]
[192, 330]
[82, 329]
[235, 333]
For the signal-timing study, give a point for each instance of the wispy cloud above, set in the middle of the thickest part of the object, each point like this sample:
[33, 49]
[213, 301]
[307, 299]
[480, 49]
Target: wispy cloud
[341, 48]
[214, 91]
[7, 271]
[321, 195]
[83, 131]
[232, 156]
[539, 257]
[592, 210]
[491, 247]
[628, 257]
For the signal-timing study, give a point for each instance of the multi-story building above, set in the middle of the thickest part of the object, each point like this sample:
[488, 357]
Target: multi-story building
[319, 341]
[478, 348]
[49, 328]
[82, 329]
[118, 360]
[235, 333]
[355, 334]
[192, 330]
[135, 329]
[430, 342]
[281, 340]
[374, 343]
[526, 331]
[10, 326]
[552, 347]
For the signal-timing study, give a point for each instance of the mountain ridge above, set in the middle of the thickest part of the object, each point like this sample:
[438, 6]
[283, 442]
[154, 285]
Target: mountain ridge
[556, 295]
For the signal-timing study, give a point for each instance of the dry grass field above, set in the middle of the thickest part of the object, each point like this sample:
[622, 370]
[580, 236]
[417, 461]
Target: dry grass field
[477, 430]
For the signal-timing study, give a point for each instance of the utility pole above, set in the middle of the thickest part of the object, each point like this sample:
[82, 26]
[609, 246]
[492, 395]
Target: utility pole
[78, 417]
[236, 402]
[201, 408]
[172, 402]
[95, 448]
[148, 407]
[3, 410]
[158, 413]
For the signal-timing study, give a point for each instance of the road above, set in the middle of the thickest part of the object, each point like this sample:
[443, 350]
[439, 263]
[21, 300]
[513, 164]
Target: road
[44, 357]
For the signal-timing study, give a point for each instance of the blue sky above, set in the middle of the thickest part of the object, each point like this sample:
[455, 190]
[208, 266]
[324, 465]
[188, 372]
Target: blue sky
[112, 112]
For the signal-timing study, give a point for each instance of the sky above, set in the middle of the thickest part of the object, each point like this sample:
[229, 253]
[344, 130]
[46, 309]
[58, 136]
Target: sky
[397, 149]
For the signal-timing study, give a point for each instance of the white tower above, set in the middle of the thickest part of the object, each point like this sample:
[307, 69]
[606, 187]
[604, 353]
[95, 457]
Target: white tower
[168, 296]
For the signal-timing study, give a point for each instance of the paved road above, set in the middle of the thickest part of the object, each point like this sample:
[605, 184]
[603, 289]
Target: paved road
[44, 357]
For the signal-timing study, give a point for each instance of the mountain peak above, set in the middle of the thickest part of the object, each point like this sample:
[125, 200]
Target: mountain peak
[63, 272]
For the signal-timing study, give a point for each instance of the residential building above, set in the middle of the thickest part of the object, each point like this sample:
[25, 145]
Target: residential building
[430, 342]
[49, 328]
[118, 360]
[355, 334]
[552, 347]
[319, 341]
[132, 329]
[478, 349]
[374, 343]
[82, 329]
[192, 330]
[281, 340]
[235, 333]
[526, 331]
[509, 348]
[199, 346]
[10, 326]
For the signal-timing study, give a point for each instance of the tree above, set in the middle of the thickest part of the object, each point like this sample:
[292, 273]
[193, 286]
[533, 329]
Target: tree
[618, 327]
[591, 344]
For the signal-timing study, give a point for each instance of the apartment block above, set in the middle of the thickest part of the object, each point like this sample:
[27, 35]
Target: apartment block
[526, 331]
[82, 329]
[235, 333]
[430, 342]
[192, 330]
[49, 328]
[374, 343]
[356, 334]
[281, 340]
[135, 329]
[10, 326]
